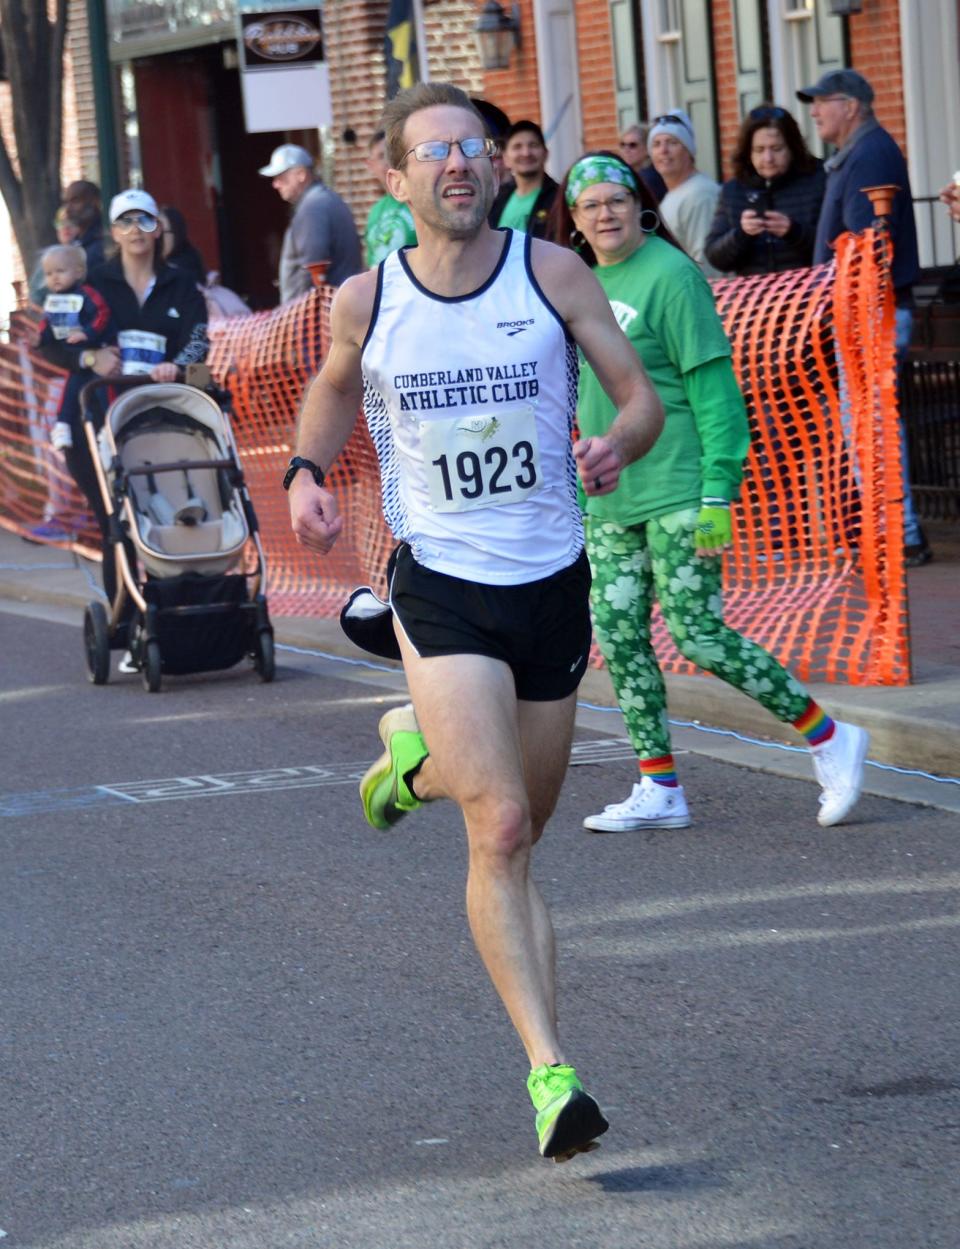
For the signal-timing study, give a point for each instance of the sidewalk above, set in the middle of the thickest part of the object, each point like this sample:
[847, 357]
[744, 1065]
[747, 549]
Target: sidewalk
[916, 726]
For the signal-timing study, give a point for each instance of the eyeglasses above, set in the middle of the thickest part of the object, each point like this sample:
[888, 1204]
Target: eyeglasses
[136, 221]
[669, 119]
[439, 149]
[767, 113]
[619, 203]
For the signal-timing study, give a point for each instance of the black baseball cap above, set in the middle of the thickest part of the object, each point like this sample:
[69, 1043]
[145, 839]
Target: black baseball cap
[839, 82]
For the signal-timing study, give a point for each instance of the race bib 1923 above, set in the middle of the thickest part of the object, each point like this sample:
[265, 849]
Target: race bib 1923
[481, 460]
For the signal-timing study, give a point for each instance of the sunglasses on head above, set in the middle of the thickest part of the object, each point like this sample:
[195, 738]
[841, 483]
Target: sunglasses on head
[767, 113]
[141, 221]
[669, 119]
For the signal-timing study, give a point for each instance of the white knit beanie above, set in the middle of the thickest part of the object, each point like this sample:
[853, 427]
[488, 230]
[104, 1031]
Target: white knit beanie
[677, 123]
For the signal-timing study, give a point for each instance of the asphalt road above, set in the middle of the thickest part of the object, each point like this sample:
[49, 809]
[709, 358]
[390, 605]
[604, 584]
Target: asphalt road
[231, 1015]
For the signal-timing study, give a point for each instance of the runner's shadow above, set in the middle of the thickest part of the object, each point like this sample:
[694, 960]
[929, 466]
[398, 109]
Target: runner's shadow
[670, 1179]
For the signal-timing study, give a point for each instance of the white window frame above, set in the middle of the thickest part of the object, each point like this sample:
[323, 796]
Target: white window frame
[561, 114]
[661, 49]
[789, 25]
[931, 97]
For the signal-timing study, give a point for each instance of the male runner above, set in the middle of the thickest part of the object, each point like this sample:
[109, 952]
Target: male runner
[463, 351]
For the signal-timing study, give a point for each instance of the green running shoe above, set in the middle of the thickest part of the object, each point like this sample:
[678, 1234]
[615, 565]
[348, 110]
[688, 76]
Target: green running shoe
[384, 791]
[568, 1119]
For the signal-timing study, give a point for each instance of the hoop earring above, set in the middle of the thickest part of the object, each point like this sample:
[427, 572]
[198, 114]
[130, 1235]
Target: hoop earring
[577, 240]
[648, 213]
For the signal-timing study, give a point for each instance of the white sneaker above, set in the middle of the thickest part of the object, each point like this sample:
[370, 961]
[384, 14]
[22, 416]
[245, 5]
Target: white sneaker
[61, 436]
[838, 765]
[126, 663]
[649, 806]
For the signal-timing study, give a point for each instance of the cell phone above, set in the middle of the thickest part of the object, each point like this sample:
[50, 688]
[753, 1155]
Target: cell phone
[760, 201]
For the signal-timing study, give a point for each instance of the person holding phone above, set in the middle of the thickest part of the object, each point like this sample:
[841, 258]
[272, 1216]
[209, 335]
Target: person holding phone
[766, 217]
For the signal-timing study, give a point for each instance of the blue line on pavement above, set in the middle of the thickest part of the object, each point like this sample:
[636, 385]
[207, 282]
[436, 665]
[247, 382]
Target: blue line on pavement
[42, 801]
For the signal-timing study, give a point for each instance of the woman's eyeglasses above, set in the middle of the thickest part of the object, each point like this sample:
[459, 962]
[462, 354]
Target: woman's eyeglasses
[439, 149]
[136, 221]
[619, 203]
[767, 113]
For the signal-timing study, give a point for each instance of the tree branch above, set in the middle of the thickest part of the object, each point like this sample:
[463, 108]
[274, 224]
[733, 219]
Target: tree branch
[55, 130]
[33, 49]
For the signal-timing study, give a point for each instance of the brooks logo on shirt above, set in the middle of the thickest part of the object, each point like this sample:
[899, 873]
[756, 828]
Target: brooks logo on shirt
[514, 327]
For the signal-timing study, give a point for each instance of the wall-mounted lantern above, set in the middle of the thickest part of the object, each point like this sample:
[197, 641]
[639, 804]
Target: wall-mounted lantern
[498, 33]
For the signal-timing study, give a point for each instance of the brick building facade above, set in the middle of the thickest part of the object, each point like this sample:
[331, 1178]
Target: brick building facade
[584, 67]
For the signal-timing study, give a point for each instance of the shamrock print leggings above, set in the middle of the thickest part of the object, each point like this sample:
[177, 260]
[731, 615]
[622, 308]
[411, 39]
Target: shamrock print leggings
[633, 565]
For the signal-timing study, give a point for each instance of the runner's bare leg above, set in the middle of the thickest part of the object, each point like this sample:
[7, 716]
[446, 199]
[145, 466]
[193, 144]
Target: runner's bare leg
[480, 757]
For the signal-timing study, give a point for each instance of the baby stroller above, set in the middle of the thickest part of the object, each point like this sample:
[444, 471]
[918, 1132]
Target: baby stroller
[180, 521]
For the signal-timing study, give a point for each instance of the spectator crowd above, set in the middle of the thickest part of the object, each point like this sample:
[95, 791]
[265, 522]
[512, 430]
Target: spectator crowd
[783, 208]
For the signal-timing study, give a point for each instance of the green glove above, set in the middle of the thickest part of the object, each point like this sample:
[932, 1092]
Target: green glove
[713, 530]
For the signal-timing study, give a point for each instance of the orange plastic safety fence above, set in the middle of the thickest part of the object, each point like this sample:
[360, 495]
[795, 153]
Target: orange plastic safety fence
[266, 362]
[816, 573]
[35, 487]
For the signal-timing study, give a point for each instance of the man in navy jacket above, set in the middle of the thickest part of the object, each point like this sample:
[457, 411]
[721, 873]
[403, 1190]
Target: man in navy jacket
[867, 156]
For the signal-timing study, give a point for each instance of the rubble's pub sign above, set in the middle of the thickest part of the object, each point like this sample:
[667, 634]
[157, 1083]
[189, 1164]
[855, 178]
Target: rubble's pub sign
[278, 38]
[283, 75]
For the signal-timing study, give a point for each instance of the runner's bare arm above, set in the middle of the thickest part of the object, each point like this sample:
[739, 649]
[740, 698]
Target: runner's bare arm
[329, 412]
[579, 299]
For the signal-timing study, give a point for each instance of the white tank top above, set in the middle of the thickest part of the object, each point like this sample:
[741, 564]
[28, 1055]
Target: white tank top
[470, 403]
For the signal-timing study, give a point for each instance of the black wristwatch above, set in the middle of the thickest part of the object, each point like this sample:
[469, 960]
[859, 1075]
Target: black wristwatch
[295, 466]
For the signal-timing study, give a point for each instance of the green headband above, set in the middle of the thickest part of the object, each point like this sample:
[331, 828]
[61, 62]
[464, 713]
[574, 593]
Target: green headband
[594, 169]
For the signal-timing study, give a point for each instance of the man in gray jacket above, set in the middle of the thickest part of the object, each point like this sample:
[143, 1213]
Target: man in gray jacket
[321, 228]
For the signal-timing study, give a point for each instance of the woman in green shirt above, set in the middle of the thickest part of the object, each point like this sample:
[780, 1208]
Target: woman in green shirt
[662, 533]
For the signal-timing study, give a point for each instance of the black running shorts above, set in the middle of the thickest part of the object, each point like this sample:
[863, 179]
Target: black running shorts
[541, 629]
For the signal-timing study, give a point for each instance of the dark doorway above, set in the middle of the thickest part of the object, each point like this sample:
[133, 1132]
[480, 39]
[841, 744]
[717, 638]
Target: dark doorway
[198, 157]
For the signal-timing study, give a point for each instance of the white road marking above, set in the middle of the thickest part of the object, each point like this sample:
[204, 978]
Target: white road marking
[257, 781]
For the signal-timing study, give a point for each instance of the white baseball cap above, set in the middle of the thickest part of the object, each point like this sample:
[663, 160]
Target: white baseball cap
[132, 201]
[287, 156]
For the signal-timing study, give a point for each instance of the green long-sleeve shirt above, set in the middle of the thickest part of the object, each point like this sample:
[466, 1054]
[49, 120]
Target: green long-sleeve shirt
[665, 307]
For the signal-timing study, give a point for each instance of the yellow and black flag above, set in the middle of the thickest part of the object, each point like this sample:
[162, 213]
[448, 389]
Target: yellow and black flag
[400, 47]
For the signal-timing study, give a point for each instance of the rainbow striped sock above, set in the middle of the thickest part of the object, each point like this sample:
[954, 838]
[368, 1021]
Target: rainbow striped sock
[662, 770]
[815, 725]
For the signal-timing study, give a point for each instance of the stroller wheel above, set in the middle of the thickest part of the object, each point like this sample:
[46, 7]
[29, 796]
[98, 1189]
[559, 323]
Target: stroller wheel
[96, 641]
[152, 666]
[263, 656]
